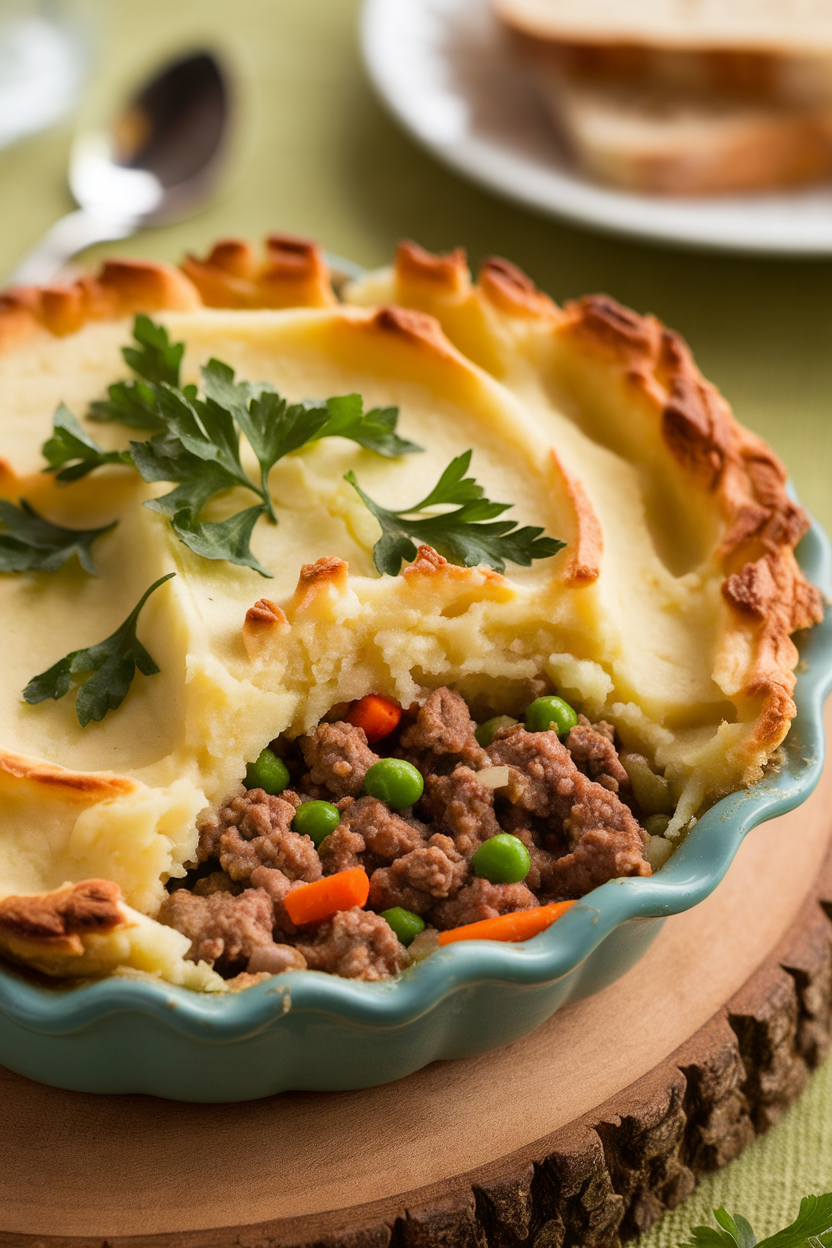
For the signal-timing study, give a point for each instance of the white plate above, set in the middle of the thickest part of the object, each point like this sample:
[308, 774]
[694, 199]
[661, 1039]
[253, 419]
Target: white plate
[442, 69]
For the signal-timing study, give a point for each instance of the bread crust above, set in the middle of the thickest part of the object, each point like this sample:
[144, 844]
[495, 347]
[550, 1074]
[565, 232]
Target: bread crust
[679, 103]
[715, 34]
[727, 467]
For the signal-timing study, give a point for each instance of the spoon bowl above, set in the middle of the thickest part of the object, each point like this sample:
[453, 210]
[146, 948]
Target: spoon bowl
[158, 162]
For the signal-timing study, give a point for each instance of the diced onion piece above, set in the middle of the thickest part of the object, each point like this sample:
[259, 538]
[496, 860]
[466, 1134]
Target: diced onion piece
[493, 777]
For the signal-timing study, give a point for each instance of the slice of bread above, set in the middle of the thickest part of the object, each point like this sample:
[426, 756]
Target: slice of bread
[783, 27]
[660, 142]
[767, 50]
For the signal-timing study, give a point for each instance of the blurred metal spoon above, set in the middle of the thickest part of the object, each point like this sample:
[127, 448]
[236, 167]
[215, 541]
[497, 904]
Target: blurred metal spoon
[157, 164]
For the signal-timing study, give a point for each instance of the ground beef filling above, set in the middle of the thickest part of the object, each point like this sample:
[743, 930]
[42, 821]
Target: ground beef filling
[570, 802]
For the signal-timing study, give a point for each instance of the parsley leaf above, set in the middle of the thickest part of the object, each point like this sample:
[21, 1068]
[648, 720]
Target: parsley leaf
[131, 403]
[221, 539]
[155, 358]
[165, 459]
[275, 428]
[196, 441]
[70, 446]
[199, 451]
[375, 430]
[812, 1228]
[732, 1233]
[467, 536]
[27, 541]
[112, 664]
[814, 1220]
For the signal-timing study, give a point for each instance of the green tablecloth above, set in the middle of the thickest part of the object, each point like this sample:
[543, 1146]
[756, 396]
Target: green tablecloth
[319, 156]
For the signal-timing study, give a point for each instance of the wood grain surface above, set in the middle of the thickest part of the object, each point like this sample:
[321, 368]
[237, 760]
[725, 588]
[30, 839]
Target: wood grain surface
[580, 1134]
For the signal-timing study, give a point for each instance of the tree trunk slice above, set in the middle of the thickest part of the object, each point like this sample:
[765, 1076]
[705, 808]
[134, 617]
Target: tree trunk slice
[581, 1134]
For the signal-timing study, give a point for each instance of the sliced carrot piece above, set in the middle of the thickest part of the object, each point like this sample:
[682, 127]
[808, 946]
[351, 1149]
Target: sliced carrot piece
[521, 925]
[325, 897]
[378, 716]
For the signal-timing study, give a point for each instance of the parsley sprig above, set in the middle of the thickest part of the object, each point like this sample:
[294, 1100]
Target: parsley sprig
[154, 358]
[71, 450]
[196, 440]
[812, 1228]
[467, 536]
[28, 542]
[111, 663]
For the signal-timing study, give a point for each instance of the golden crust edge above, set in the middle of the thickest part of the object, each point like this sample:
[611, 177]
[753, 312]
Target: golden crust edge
[46, 930]
[747, 484]
[720, 458]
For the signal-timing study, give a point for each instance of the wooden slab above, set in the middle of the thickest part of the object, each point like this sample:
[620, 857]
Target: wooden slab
[579, 1134]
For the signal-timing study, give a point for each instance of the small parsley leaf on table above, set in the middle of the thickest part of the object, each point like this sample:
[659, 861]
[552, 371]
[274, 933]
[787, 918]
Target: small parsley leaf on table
[467, 536]
[732, 1232]
[72, 451]
[812, 1228]
[28, 542]
[111, 663]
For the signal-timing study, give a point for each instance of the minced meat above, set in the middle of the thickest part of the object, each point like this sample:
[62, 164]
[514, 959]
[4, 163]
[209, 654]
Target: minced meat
[442, 734]
[222, 928]
[258, 833]
[570, 803]
[338, 758]
[593, 751]
[356, 944]
[462, 807]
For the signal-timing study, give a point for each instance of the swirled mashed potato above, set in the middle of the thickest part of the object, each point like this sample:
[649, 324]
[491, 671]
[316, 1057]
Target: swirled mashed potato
[668, 613]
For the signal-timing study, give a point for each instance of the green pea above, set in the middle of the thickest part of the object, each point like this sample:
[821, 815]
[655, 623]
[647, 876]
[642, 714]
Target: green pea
[502, 859]
[395, 782]
[404, 923]
[551, 712]
[316, 820]
[485, 732]
[268, 773]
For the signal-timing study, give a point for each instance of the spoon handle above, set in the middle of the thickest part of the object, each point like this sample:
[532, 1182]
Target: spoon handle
[63, 240]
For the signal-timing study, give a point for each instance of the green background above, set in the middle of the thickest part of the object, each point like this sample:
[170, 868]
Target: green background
[317, 155]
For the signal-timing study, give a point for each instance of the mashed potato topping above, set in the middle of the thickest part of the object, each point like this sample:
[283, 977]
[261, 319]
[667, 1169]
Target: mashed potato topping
[668, 613]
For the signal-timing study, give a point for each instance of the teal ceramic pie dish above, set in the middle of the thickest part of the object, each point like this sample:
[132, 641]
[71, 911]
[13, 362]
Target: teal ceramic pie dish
[312, 1031]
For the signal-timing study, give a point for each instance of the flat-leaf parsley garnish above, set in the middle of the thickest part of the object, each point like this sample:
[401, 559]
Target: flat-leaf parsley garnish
[154, 359]
[467, 536]
[71, 450]
[812, 1228]
[111, 663]
[28, 542]
[196, 440]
